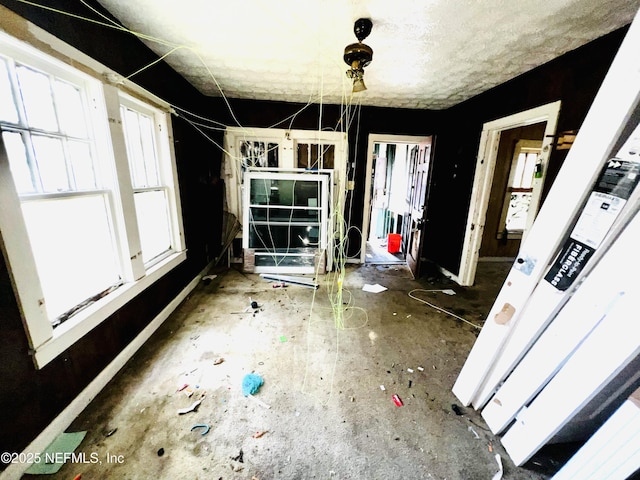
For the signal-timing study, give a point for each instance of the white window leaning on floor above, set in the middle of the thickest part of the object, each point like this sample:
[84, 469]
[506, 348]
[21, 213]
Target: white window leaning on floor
[89, 210]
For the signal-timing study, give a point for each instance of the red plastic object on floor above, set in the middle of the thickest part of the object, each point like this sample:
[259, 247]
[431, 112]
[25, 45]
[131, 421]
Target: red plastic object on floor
[393, 242]
[397, 401]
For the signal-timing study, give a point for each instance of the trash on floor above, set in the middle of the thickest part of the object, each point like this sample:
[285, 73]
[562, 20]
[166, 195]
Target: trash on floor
[498, 475]
[473, 431]
[382, 388]
[203, 426]
[207, 279]
[302, 281]
[111, 432]
[191, 408]
[160, 452]
[218, 361]
[239, 457]
[456, 409]
[260, 434]
[411, 294]
[397, 401]
[251, 383]
[376, 288]
[59, 451]
[283, 339]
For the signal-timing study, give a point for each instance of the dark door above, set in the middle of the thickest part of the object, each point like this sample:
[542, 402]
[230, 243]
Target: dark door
[419, 181]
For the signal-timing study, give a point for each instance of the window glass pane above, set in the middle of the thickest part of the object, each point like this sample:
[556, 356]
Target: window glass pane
[70, 109]
[283, 238]
[328, 156]
[50, 159]
[275, 260]
[18, 162]
[141, 148]
[518, 210]
[36, 96]
[259, 154]
[299, 193]
[315, 156]
[286, 215]
[73, 247]
[272, 155]
[84, 174]
[148, 152]
[153, 223]
[529, 169]
[8, 112]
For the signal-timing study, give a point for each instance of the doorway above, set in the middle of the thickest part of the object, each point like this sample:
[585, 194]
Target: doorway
[507, 187]
[513, 187]
[389, 223]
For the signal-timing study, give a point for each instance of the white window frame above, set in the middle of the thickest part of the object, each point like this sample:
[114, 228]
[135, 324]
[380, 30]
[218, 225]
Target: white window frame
[323, 179]
[287, 141]
[47, 342]
[522, 146]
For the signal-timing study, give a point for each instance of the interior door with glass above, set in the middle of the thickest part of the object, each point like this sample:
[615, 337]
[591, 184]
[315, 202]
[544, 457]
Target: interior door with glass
[419, 176]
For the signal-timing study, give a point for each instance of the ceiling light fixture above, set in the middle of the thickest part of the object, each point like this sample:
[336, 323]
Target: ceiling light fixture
[358, 55]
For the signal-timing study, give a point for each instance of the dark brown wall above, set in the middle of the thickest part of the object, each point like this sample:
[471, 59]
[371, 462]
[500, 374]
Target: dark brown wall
[573, 78]
[30, 398]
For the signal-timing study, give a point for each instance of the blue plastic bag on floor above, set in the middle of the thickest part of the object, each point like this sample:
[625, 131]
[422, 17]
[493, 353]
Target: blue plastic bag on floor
[251, 383]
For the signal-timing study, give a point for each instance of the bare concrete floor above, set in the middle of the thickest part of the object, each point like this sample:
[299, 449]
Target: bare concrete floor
[323, 363]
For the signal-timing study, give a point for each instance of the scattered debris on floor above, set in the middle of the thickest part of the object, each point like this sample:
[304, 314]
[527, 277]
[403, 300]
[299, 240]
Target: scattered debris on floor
[59, 451]
[191, 408]
[251, 383]
[218, 361]
[397, 400]
[111, 432]
[204, 426]
[473, 431]
[411, 294]
[456, 409]
[301, 281]
[160, 452]
[239, 457]
[207, 279]
[260, 434]
[375, 288]
[498, 475]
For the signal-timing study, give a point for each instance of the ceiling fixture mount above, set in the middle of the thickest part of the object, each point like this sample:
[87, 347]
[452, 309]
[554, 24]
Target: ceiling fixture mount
[358, 55]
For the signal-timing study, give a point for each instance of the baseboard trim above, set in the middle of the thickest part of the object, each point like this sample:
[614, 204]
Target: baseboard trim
[15, 470]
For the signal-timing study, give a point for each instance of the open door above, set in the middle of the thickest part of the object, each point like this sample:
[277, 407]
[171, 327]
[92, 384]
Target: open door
[484, 174]
[419, 182]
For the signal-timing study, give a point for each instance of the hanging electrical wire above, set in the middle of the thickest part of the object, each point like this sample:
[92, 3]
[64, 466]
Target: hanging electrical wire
[342, 311]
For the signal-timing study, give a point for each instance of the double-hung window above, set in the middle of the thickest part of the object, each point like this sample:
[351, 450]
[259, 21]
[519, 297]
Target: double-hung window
[89, 207]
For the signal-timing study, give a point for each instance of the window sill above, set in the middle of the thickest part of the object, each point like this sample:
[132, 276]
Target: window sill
[86, 320]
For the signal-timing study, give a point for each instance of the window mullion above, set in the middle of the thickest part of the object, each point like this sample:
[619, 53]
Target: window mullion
[126, 219]
[169, 178]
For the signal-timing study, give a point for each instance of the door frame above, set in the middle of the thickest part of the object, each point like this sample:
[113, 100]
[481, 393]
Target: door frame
[373, 139]
[485, 167]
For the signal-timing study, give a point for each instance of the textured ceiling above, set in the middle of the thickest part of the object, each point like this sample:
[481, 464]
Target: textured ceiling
[427, 53]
